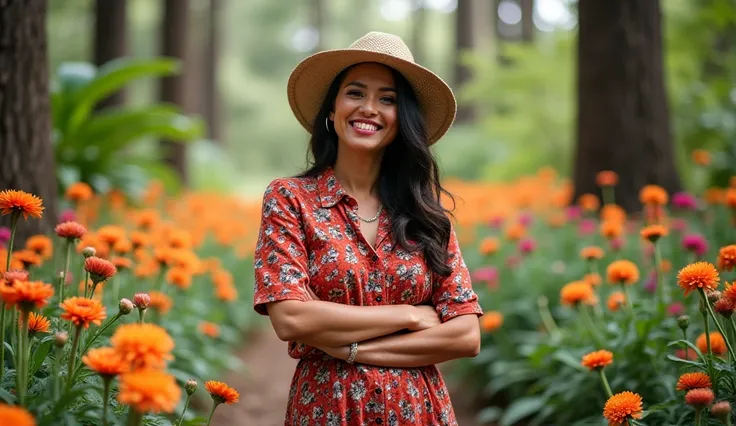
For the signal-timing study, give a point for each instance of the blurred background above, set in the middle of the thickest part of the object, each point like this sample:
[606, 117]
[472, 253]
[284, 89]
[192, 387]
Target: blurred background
[512, 64]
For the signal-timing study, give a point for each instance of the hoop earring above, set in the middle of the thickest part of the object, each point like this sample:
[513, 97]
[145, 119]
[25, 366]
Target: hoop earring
[327, 119]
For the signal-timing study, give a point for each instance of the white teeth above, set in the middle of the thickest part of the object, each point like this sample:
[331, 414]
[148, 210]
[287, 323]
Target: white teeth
[365, 126]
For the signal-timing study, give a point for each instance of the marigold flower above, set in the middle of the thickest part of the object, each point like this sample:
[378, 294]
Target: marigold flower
[653, 195]
[606, 178]
[41, 245]
[653, 232]
[591, 253]
[78, 191]
[27, 294]
[613, 213]
[27, 257]
[142, 300]
[70, 230]
[106, 362]
[37, 323]
[695, 380]
[730, 291]
[226, 293]
[148, 390]
[111, 234]
[209, 329]
[122, 246]
[16, 416]
[622, 272]
[611, 229]
[721, 410]
[222, 393]
[700, 157]
[717, 343]
[99, 269]
[143, 345]
[615, 300]
[121, 263]
[489, 246]
[727, 258]
[83, 312]
[725, 306]
[577, 292]
[597, 360]
[160, 302]
[621, 407]
[515, 231]
[13, 201]
[698, 275]
[589, 202]
[491, 321]
[179, 277]
[699, 398]
[15, 275]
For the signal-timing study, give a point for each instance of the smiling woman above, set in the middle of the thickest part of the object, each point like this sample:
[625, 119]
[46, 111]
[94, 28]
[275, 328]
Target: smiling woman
[357, 263]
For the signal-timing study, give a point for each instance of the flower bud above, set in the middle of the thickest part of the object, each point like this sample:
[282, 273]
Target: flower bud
[190, 386]
[713, 295]
[683, 321]
[89, 252]
[125, 306]
[142, 300]
[721, 410]
[60, 338]
[724, 306]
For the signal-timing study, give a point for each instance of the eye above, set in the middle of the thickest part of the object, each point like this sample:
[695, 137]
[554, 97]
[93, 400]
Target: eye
[388, 100]
[354, 93]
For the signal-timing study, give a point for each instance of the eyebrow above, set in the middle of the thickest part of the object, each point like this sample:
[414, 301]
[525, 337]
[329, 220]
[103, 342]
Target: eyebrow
[364, 86]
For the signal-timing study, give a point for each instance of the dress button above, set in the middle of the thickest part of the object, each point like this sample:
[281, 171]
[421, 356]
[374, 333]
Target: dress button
[378, 391]
[375, 257]
[379, 421]
[379, 298]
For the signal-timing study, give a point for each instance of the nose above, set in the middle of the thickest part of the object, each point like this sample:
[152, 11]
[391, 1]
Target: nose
[368, 107]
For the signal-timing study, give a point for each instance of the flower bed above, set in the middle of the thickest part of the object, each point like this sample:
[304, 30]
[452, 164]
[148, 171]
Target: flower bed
[118, 316]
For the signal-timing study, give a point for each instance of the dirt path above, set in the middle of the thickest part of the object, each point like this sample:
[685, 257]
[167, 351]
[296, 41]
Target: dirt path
[264, 388]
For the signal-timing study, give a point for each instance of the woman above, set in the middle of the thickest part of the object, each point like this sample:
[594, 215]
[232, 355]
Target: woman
[357, 263]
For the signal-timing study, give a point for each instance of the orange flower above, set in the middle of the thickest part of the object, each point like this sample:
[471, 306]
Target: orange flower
[82, 311]
[99, 269]
[226, 293]
[698, 275]
[597, 360]
[27, 294]
[653, 195]
[665, 266]
[589, 202]
[611, 229]
[160, 302]
[111, 234]
[727, 258]
[695, 380]
[143, 345]
[41, 245]
[591, 253]
[78, 191]
[577, 292]
[700, 157]
[70, 230]
[27, 258]
[653, 232]
[121, 263]
[489, 246]
[515, 232]
[615, 301]
[36, 323]
[222, 393]
[179, 277]
[12, 201]
[699, 398]
[592, 279]
[16, 416]
[613, 213]
[149, 390]
[139, 239]
[730, 198]
[622, 272]
[209, 329]
[122, 246]
[730, 291]
[714, 196]
[491, 321]
[106, 362]
[606, 178]
[717, 344]
[621, 407]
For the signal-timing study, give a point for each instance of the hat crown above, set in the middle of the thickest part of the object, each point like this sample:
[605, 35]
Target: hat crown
[385, 43]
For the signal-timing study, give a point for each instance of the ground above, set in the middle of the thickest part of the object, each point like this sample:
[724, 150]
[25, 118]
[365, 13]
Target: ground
[264, 387]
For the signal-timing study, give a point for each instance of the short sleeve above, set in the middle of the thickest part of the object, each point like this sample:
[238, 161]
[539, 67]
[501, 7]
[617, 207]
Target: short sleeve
[453, 295]
[280, 259]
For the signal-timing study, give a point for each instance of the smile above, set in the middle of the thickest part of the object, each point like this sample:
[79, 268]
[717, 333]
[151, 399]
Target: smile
[364, 128]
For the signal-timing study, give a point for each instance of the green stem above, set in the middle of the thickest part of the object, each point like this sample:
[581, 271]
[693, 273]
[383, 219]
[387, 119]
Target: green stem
[141, 315]
[212, 412]
[13, 225]
[591, 327]
[62, 284]
[547, 320]
[92, 339]
[718, 326]
[105, 397]
[86, 279]
[708, 360]
[606, 386]
[72, 357]
[3, 316]
[56, 367]
[134, 417]
[697, 416]
[21, 370]
[660, 282]
[186, 405]
[687, 348]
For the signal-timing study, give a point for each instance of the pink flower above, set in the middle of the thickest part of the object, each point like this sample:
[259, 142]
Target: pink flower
[496, 222]
[513, 261]
[587, 227]
[525, 219]
[68, 215]
[527, 246]
[650, 285]
[679, 224]
[573, 212]
[488, 275]
[4, 235]
[617, 244]
[676, 309]
[695, 243]
[684, 201]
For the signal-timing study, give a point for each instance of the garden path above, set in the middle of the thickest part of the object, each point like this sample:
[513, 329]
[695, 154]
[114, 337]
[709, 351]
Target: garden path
[264, 387]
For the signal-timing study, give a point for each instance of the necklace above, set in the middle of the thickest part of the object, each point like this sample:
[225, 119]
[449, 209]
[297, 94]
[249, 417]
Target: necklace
[374, 218]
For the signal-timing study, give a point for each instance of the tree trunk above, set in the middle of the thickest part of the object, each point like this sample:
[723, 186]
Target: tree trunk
[418, 24]
[527, 21]
[26, 154]
[173, 88]
[464, 42]
[210, 92]
[110, 40]
[623, 118]
[317, 20]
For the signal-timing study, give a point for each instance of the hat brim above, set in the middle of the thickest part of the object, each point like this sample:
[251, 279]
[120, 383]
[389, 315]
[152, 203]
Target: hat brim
[310, 80]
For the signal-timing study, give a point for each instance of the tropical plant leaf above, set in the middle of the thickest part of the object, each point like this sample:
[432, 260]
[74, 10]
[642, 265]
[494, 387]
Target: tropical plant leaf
[520, 409]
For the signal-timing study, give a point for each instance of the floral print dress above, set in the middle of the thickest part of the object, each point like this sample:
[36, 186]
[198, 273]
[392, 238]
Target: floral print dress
[310, 236]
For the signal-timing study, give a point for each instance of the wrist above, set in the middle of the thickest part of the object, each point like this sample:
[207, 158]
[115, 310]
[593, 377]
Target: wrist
[411, 320]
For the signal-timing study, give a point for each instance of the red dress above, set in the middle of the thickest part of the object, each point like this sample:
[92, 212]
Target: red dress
[310, 236]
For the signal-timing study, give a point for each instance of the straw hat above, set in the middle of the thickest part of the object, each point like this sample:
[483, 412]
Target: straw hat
[310, 80]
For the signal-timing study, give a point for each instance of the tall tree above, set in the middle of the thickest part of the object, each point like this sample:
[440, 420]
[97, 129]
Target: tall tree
[418, 31]
[464, 42]
[26, 154]
[211, 107]
[110, 39]
[174, 44]
[317, 20]
[527, 20]
[623, 119]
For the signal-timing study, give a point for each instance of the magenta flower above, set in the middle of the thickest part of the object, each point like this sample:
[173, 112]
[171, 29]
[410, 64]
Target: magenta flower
[617, 244]
[695, 243]
[4, 235]
[586, 227]
[650, 285]
[684, 201]
[679, 224]
[68, 215]
[676, 309]
[526, 219]
[527, 246]
[573, 212]
[488, 275]
[496, 222]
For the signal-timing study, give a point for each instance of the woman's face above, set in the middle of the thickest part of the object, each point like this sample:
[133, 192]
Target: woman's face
[365, 108]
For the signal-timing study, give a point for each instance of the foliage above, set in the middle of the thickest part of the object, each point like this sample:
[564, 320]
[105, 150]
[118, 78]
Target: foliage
[111, 148]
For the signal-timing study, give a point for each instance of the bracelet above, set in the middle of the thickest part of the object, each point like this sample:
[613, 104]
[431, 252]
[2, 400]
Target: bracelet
[353, 353]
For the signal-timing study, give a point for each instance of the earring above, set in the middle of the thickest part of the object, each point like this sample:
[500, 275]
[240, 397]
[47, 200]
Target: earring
[327, 119]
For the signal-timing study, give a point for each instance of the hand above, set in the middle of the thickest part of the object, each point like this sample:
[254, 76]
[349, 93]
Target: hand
[339, 352]
[425, 316]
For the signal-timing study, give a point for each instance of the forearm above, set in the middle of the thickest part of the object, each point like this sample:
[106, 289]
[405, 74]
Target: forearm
[457, 338]
[320, 323]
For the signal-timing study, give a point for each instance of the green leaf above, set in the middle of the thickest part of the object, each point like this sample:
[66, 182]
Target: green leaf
[520, 409]
[683, 361]
[569, 360]
[488, 415]
[39, 355]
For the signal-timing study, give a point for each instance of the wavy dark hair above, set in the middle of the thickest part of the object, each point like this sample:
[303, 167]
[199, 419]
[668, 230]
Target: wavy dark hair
[408, 183]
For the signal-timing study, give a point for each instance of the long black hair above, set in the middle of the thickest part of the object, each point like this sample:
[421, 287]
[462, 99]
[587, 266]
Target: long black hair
[408, 182]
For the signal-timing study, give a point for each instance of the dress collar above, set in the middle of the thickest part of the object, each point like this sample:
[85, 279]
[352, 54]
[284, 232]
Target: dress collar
[330, 190]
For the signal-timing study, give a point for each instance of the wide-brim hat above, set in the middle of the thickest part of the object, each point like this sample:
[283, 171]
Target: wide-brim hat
[310, 80]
